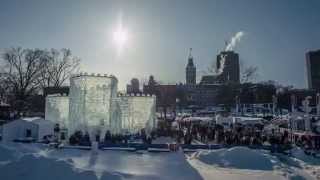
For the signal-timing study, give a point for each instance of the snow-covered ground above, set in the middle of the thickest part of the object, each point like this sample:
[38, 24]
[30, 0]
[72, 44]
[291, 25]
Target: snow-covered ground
[244, 163]
[38, 162]
[35, 162]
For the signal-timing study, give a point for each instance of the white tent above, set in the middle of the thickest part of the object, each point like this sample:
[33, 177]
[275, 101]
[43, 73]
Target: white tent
[45, 127]
[223, 120]
[198, 119]
[27, 128]
[247, 120]
[19, 130]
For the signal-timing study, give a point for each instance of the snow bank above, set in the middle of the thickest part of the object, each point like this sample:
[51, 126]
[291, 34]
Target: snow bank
[28, 162]
[239, 157]
[5, 154]
[31, 167]
[38, 162]
[298, 153]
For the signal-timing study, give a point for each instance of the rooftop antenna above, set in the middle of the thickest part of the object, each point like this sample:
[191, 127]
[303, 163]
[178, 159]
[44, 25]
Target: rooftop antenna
[190, 55]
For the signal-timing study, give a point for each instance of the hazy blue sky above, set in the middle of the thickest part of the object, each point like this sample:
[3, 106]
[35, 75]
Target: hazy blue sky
[277, 34]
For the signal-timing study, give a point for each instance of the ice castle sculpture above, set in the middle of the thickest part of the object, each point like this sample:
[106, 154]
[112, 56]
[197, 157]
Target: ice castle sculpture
[94, 106]
[136, 112]
[57, 109]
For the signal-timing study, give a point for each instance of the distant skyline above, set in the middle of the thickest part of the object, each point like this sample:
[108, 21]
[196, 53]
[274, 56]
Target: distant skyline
[277, 34]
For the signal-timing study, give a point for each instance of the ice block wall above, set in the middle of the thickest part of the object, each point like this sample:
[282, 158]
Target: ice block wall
[91, 103]
[93, 106]
[137, 112]
[125, 106]
[57, 109]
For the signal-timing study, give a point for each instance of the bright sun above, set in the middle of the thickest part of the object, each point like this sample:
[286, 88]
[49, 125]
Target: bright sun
[120, 37]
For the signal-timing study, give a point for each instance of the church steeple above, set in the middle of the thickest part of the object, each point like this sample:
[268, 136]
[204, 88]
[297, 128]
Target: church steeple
[190, 58]
[190, 70]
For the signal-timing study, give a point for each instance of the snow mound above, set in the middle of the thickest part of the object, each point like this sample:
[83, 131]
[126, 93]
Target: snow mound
[240, 158]
[38, 162]
[31, 167]
[299, 153]
[6, 154]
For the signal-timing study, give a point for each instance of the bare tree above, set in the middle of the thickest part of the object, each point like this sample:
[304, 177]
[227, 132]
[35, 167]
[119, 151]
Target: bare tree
[58, 67]
[3, 87]
[21, 71]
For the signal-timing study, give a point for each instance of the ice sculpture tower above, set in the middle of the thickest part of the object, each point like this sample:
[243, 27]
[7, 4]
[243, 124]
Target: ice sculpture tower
[94, 106]
[91, 103]
[57, 109]
[137, 112]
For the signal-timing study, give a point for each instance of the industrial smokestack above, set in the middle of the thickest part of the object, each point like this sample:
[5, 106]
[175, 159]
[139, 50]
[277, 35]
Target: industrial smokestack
[229, 47]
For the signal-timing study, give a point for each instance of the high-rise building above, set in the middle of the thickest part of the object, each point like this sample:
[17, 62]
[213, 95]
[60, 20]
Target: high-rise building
[191, 74]
[134, 86]
[228, 67]
[313, 69]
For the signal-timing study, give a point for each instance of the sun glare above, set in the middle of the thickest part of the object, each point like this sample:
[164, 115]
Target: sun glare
[120, 37]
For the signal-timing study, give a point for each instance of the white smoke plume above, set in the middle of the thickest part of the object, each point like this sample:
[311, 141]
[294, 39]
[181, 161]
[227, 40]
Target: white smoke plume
[230, 46]
[234, 40]
[222, 61]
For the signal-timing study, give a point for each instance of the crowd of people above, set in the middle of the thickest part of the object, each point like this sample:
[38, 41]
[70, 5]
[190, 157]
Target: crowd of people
[307, 142]
[233, 134]
[188, 132]
[80, 138]
[199, 132]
